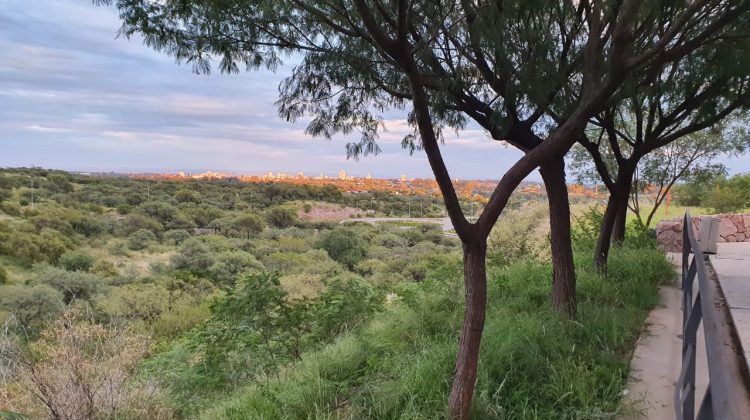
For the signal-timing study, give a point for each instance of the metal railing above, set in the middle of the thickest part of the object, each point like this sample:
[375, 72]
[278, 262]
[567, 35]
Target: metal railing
[726, 396]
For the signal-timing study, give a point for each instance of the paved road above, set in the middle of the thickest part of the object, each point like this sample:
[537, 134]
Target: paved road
[732, 267]
[444, 222]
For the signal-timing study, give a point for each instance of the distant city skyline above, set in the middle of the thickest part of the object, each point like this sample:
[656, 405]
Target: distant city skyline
[75, 97]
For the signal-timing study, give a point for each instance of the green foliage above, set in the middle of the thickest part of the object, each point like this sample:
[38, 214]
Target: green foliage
[344, 246]
[194, 256]
[176, 236]
[250, 224]
[187, 196]
[3, 275]
[514, 238]
[281, 217]
[72, 284]
[534, 363]
[230, 264]
[585, 228]
[141, 239]
[31, 305]
[77, 261]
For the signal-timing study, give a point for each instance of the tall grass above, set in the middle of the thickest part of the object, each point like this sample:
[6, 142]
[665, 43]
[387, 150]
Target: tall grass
[534, 363]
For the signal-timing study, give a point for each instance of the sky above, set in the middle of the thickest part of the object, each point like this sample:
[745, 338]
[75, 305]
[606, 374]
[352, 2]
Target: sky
[73, 96]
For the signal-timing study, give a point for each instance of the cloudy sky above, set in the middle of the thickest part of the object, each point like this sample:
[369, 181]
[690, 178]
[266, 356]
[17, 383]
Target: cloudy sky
[75, 97]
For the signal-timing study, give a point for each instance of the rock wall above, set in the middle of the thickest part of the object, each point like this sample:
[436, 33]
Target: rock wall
[733, 228]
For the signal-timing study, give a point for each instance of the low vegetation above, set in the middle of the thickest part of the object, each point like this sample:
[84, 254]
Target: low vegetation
[189, 302]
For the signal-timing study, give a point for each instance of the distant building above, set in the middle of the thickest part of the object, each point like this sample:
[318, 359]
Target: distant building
[342, 175]
[403, 178]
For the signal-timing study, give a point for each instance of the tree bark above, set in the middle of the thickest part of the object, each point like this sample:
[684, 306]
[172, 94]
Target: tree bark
[465, 374]
[618, 199]
[618, 230]
[563, 269]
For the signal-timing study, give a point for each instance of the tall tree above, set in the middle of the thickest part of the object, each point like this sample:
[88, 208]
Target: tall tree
[689, 157]
[648, 115]
[492, 62]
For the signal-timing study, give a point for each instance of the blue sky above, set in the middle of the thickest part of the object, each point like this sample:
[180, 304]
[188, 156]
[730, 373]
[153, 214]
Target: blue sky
[75, 97]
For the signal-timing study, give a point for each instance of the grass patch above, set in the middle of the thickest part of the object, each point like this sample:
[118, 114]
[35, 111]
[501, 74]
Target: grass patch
[534, 363]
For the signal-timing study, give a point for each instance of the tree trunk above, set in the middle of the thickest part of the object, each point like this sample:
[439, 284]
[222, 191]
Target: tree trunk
[618, 230]
[563, 269]
[615, 214]
[465, 374]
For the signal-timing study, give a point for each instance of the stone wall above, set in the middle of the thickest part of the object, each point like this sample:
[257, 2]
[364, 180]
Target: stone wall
[733, 228]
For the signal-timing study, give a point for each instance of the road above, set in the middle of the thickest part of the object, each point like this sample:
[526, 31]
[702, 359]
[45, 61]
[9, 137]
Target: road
[444, 222]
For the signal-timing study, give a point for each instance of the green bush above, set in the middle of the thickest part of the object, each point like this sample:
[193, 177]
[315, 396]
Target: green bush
[281, 217]
[31, 305]
[141, 239]
[3, 275]
[76, 261]
[724, 200]
[73, 285]
[534, 363]
[344, 246]
[194, 256]
[176, 236]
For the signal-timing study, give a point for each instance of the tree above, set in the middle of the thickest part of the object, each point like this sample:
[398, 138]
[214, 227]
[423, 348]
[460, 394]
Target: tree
[695, 154]
[251, 224]
[535, 71]
[681, 99]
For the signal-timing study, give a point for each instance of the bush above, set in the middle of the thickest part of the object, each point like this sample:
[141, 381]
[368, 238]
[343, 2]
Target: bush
[724, 200]
[187, 196]
[72, 284]
[344, 246]
[141, 239]
[193, 255]
[83, 370]
[76, 261]
[176, 236]
[32, 305]
[281, 217]
[230, 264]
[3, 275]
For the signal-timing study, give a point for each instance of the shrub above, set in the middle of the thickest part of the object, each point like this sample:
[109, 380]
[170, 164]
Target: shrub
[140, 239]
[514, 238]
[76, 261]
[229, 264]
[32, 305]
[83, 370]
[724, 200]
[176, 236]
[3, 275]
[89, 226]
[344, 246]
[585, 228]
[72, 284]
[124, 209]
[281, 217]
[193, 255]
[187, 196]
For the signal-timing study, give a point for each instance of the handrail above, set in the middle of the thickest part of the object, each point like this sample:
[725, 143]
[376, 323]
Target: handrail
[726, 396]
